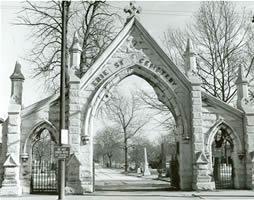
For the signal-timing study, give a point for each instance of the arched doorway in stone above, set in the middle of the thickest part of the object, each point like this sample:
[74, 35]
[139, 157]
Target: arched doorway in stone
[164, 95]
[44, 166]
[223, 159]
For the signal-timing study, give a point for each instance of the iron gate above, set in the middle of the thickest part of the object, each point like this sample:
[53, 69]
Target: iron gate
[174, 174]
[223, 169]
[44, 177]
[223, 173]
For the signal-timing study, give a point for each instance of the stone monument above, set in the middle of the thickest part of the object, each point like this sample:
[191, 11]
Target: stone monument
[146, 169]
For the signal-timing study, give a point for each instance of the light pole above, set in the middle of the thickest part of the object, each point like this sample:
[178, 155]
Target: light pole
[61, 162]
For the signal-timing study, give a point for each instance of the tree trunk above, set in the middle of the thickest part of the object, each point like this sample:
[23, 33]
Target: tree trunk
[125, 160]
[110, 160]
[125, 154]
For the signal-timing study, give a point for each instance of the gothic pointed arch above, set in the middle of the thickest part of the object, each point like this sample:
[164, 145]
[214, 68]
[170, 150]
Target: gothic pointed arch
[37, 128]
[222, 124]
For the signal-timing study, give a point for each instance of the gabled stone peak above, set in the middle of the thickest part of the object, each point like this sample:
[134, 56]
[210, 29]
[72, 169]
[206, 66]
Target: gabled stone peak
[217, 102]
[133, 27]
[201, 158]
[39, 105]
[17, 74]
[73, 160]
[9, 162]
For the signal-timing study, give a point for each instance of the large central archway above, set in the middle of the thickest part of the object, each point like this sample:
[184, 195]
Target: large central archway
[134, 52]
[171, 91]
[167, 97]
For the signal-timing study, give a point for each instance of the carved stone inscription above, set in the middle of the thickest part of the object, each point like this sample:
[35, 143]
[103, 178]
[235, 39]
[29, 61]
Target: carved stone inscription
[130, 61]
[99, 78]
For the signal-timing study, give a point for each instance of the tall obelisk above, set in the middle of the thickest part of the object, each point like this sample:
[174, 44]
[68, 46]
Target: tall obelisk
[146, 169]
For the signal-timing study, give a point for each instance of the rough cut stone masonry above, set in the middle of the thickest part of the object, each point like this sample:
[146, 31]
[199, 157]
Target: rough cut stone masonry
[198, 115]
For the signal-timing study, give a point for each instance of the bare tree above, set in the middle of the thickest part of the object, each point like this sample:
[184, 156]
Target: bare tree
[94, 21]
[129, 115]
[42, 148]
[221, 37]
[165, 119]
[108, 143]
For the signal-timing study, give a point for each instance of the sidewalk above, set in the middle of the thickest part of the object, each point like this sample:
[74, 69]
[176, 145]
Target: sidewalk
[149, 195]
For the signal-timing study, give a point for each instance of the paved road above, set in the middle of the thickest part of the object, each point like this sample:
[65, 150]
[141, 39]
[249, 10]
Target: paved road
[103, 174]
[118, 174]
[116, 180]
[113, 176]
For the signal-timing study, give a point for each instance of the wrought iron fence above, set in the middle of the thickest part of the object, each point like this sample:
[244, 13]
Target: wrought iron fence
[44, 177]
[223, 175]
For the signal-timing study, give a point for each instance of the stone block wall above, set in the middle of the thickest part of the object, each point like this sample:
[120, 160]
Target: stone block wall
[31, 119]
[11, 179]
[249, 143]
[3, 150]
[212, 117]
[73, 114]
[201, 179]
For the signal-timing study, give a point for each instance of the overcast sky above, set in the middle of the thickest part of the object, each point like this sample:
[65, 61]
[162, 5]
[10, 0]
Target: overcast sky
[156, 17]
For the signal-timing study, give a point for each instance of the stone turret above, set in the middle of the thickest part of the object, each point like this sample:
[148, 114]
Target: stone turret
[75, 51]
[11, 184]
[242, 86]
[17, 79]
[189, 59]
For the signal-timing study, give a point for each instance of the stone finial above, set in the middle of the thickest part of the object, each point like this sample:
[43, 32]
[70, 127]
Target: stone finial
[241, 77]
[189, 58]
[242, 87]
[17, 74]
[75, 43]
[132, 10]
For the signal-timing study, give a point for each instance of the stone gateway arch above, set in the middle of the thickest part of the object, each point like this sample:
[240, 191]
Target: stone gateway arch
[204, 123]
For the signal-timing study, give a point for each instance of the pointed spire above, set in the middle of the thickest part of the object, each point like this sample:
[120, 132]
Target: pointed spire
[189, 48]
[189, 58]
[17, 74]
[75, 37]
[75, 43]
[241, 77]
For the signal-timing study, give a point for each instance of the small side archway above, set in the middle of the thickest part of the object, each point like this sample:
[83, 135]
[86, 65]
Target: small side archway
[37, 128]
[222, 124]
[224, 149]
[37, 159]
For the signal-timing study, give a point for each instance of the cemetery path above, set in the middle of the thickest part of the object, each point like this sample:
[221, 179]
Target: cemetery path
[117, 180]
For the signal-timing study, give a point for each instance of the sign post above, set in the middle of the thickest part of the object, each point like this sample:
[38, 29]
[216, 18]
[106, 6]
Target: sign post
[61, 162]
[61, 152]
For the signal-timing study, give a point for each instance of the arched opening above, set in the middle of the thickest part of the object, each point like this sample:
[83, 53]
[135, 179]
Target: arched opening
[223, 159]
[109, 170]
[43, 163]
